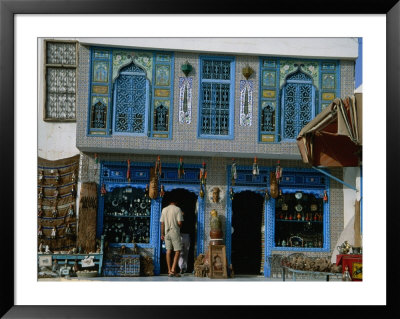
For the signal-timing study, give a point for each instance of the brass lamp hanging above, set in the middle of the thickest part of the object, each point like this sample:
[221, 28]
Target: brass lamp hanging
[247, 71]
[186, 68]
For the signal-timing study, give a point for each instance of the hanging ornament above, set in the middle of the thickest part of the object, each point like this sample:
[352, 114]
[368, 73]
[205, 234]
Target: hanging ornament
[96, 158]
[231, 193]
[157, 168]
[233, 171]
[73, 177]
[325, 196]
[56, 194]
[73, 191]
[203, 174]
[68, 230]
[40, 231]
[266, 195]
[103, 190]
[278, 172]
[201, 191]
[181, 170]
[128, 171]
[53, 233]
[162, 191]
[256, 171]
[273, 185]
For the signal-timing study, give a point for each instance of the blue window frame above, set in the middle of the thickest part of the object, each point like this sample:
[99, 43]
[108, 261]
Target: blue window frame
[216, 97]
[298, 104]
[131, 102]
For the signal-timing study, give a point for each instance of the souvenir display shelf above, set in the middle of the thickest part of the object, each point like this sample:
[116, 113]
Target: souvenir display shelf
[299, 221]
[127, 212]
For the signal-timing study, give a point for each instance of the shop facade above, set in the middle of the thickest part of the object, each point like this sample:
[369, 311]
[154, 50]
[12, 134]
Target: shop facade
[233, 116]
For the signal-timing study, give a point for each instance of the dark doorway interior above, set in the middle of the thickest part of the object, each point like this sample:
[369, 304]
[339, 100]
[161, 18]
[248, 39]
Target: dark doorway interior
[186, 200]
[247, 210]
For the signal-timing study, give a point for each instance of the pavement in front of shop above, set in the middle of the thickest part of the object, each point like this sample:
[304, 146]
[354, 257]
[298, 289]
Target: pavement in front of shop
[185, 277]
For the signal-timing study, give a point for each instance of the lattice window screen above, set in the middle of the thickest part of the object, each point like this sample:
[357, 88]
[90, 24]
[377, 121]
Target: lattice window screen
[60, 68]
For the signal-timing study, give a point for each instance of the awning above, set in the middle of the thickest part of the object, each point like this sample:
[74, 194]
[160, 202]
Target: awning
[334, 137]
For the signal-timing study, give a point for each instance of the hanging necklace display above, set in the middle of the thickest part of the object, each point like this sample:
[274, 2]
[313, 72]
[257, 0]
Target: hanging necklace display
[233, 171]
[181, 170]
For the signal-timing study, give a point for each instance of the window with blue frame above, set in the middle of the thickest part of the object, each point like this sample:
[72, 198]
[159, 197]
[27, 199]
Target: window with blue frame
[131, 101]
[298, 104]
[216, 97]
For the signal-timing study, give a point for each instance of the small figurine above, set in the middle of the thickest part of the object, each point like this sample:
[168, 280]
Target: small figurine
[58, 177]
[47, 250]
[53, 233]
[41, 247]
[41, 177]
[55, 212]
[68, 230]
[278, 172]
[71, 211]
[40, 195]
[56, 193]
[256, 170]
[346, 274]
[40, 231]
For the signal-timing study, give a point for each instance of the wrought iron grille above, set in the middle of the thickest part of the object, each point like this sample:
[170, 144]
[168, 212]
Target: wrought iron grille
[297, 104]
[130, 100]
[161, 118]
[215, 112]
[60, 81]
[99, 115]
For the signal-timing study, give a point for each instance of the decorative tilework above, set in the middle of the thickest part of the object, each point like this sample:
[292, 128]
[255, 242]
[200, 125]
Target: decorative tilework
[309, 67]
[328, 96]
[268, 94]
[163, 58]
[100, 89]
[100, 54]
[144, 60]
[269, 78]
[161, 93]
[100, 71]
[246, 103]
[185, 100]
[120, 59]
[162, 75]
[328, 81]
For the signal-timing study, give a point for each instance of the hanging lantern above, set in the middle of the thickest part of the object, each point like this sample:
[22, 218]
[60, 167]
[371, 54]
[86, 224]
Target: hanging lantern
[162, 191]
[278, 172]
[247, 71]
[256, 171]
[325, 196]
[233, 171]
[103, 190]
[186, 68]
[128, 172]
[181, 170]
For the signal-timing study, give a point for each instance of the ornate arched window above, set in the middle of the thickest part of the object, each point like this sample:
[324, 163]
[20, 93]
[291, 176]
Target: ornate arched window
[298, 104]
[131, 100]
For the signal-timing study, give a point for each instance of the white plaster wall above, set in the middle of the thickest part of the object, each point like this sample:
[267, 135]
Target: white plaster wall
[56, 140]
[335, 48]
[351, 175]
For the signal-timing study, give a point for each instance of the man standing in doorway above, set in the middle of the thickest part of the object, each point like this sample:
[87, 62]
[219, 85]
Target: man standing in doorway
[171, 222]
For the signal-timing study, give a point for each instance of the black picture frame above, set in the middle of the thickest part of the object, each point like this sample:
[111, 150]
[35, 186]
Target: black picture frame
[8, 10]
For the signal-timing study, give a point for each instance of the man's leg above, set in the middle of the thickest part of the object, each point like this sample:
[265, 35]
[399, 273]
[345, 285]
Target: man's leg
[176, 257]
[168, 255]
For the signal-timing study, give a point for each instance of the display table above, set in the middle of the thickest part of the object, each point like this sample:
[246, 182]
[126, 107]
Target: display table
[353, 262]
